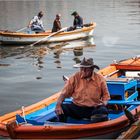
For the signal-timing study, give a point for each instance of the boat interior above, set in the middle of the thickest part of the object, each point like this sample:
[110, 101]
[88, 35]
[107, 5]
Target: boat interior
[123, 86]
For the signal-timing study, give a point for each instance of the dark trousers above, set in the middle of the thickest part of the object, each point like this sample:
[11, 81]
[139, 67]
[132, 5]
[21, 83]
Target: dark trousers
[78, 112]
[37, 29]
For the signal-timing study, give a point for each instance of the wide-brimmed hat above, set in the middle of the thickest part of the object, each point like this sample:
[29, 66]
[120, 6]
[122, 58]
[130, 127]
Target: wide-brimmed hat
[74, 13]
[86, 63]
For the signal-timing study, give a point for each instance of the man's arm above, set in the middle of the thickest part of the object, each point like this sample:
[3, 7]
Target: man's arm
[105, 93]
[58, 24]
[81, 21]
[32, 21]
[58, 109]
[65, 93]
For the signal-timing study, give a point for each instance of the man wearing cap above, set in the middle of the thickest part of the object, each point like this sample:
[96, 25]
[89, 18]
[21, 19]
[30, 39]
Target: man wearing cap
[78, 20]
[56, 23]
[88, 90]
[36, 24]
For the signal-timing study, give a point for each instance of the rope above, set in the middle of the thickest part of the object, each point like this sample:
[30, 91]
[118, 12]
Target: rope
[23, 113]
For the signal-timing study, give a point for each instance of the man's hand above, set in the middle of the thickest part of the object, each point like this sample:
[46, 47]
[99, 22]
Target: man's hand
[59, 110]
[29, 25]
[104, 103]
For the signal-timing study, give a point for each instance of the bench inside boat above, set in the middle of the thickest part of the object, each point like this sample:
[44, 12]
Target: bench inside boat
[123, 91]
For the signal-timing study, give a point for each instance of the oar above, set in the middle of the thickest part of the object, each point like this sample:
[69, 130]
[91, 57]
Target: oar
[124, 102]
[21, 29]
[47, 37]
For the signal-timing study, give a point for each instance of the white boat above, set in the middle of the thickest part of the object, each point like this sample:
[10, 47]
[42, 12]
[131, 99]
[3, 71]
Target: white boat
[18, 38]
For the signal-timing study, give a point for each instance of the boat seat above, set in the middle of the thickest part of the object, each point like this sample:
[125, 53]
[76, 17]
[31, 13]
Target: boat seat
[125, 88]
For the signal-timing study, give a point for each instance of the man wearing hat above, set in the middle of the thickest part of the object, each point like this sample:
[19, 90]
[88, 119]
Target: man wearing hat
[78, 20]
[77, 23]
[88, 90]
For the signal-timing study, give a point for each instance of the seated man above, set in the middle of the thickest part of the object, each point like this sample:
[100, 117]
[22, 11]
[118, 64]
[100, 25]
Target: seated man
[77, 23]
[36, 23]
[56, 23]
[88, 90]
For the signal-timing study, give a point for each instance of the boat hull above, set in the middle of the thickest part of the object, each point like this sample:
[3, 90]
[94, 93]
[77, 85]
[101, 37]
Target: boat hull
[108, 129]
[13, 38]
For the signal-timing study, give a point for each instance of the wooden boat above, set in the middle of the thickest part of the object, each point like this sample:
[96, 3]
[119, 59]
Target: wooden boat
[132, 133]
[18, 38]
[39, 120]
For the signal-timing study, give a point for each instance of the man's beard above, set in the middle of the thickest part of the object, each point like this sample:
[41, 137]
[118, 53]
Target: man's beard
[84, 76]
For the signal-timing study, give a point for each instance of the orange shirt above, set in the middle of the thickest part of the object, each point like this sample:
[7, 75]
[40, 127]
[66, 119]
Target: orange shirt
[86, 92]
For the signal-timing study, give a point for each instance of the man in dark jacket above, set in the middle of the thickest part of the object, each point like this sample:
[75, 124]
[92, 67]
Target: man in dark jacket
[56, 23]
[78, 21]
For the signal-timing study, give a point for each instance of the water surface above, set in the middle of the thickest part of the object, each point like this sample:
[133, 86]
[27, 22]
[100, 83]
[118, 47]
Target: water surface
[27, 75]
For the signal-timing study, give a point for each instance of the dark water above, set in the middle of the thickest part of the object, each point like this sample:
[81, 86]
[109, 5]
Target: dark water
[27, 75]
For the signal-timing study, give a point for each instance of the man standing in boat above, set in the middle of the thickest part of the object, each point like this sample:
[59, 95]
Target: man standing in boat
[88, 90]
[57, 23]
[36, 24]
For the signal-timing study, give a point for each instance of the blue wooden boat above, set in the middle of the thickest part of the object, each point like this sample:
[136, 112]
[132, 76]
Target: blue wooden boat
[40, 121]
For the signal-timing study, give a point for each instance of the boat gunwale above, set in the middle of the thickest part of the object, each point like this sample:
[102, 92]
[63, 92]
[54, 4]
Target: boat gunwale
[45, 34]
[29, 109]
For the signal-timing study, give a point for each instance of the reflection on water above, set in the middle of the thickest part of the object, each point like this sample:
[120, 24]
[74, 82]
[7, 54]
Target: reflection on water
[39, 52]
[9, 51]
[57, 57]
[75, 46]
[77, 60]
[88, 42]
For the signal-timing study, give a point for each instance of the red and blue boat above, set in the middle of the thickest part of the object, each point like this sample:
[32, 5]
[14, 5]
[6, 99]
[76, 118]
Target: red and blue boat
[39, 120]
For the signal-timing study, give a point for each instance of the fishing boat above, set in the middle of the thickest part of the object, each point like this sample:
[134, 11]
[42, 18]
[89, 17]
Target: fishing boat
[18, 38]
[39, 120]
